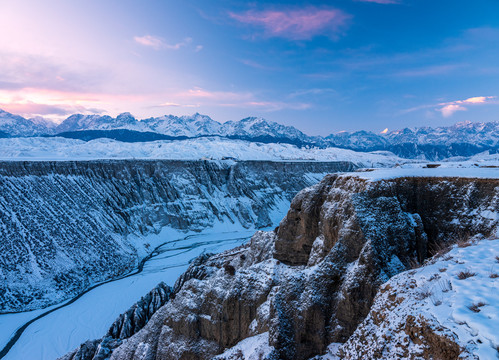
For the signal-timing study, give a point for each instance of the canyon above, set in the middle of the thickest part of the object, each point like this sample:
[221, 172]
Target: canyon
[68, 225]
[293, 292]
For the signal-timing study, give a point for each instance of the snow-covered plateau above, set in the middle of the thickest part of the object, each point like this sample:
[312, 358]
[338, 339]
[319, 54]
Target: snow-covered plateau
[40, 148]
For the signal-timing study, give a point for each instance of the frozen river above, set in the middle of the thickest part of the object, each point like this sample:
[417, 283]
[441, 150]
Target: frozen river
[90, 316]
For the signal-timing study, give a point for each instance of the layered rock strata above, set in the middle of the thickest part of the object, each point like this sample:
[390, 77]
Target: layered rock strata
[312, 281]
[67, 225]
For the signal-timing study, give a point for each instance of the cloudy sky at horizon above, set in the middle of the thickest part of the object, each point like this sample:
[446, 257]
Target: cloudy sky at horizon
[322, 66]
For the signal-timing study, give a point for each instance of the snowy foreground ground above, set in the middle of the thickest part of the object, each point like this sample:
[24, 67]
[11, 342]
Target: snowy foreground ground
[457, 293]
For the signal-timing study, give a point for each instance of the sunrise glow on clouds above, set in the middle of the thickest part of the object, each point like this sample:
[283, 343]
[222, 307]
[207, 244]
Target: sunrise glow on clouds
[348, 65]
[295, 24]
[448, 109]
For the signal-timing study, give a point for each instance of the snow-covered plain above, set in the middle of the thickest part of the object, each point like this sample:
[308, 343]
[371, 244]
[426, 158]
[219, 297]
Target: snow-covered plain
[91, 315]
[467, 172]
[39, 148]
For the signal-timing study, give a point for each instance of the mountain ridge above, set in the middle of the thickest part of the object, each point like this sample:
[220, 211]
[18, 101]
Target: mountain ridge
[461, 139]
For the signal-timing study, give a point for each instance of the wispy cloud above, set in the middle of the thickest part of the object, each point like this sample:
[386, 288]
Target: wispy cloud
[174, 104]
[28, 71]
[313, 92]
[449, 108]
[296, 24]
[269, 106]
[218, 96]
[432, 70]
[158, 43]
[198, 97]
[259, 66]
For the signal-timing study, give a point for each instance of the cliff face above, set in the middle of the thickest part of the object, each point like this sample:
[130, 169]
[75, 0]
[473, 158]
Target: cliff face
[65, 225]
[433, 312]
[313, 280]
[364, 233]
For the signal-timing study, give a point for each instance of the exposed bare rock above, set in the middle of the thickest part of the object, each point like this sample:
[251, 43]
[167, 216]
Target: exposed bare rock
[313, 281]
[431, 313]
[139, 314]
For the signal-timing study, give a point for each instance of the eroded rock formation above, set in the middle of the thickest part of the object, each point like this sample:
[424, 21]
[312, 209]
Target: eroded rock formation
[312, 281]
[65, 225]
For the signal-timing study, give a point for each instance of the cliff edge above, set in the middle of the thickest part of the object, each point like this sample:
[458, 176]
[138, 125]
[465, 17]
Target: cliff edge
[290, 293]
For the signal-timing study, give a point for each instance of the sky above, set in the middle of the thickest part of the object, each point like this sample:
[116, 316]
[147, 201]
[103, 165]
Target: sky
[321, 66]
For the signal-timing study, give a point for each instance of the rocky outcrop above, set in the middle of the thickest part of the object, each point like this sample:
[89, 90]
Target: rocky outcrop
[366, 232]
[433, 312]
[313, 280]
[127, 324]
[67, 225]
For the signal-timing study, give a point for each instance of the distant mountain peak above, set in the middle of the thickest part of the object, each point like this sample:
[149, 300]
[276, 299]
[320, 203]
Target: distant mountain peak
[461, 139]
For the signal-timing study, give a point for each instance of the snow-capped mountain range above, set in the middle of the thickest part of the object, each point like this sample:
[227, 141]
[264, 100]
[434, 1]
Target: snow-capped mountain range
[184, 126]
[461, 139]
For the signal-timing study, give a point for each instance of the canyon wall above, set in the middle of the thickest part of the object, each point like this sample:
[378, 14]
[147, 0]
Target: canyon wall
[66, 225]
[313, 280]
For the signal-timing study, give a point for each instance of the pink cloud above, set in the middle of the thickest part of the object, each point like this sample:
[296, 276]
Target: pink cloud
[476, 100]
[53, 112]
[55, 105]
[300, 24]
[448, 110]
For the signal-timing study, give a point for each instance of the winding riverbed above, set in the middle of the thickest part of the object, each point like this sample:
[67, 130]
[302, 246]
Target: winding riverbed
[54, 331]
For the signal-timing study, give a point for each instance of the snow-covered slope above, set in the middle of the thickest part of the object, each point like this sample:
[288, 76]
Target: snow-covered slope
[15, 125]
[446, 309]
[254, 127]
[190, 126]
[484, 134]
[192, 149]
[462, 139]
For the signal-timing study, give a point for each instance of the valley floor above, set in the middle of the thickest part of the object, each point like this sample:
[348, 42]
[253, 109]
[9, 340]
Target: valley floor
[91, 315]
